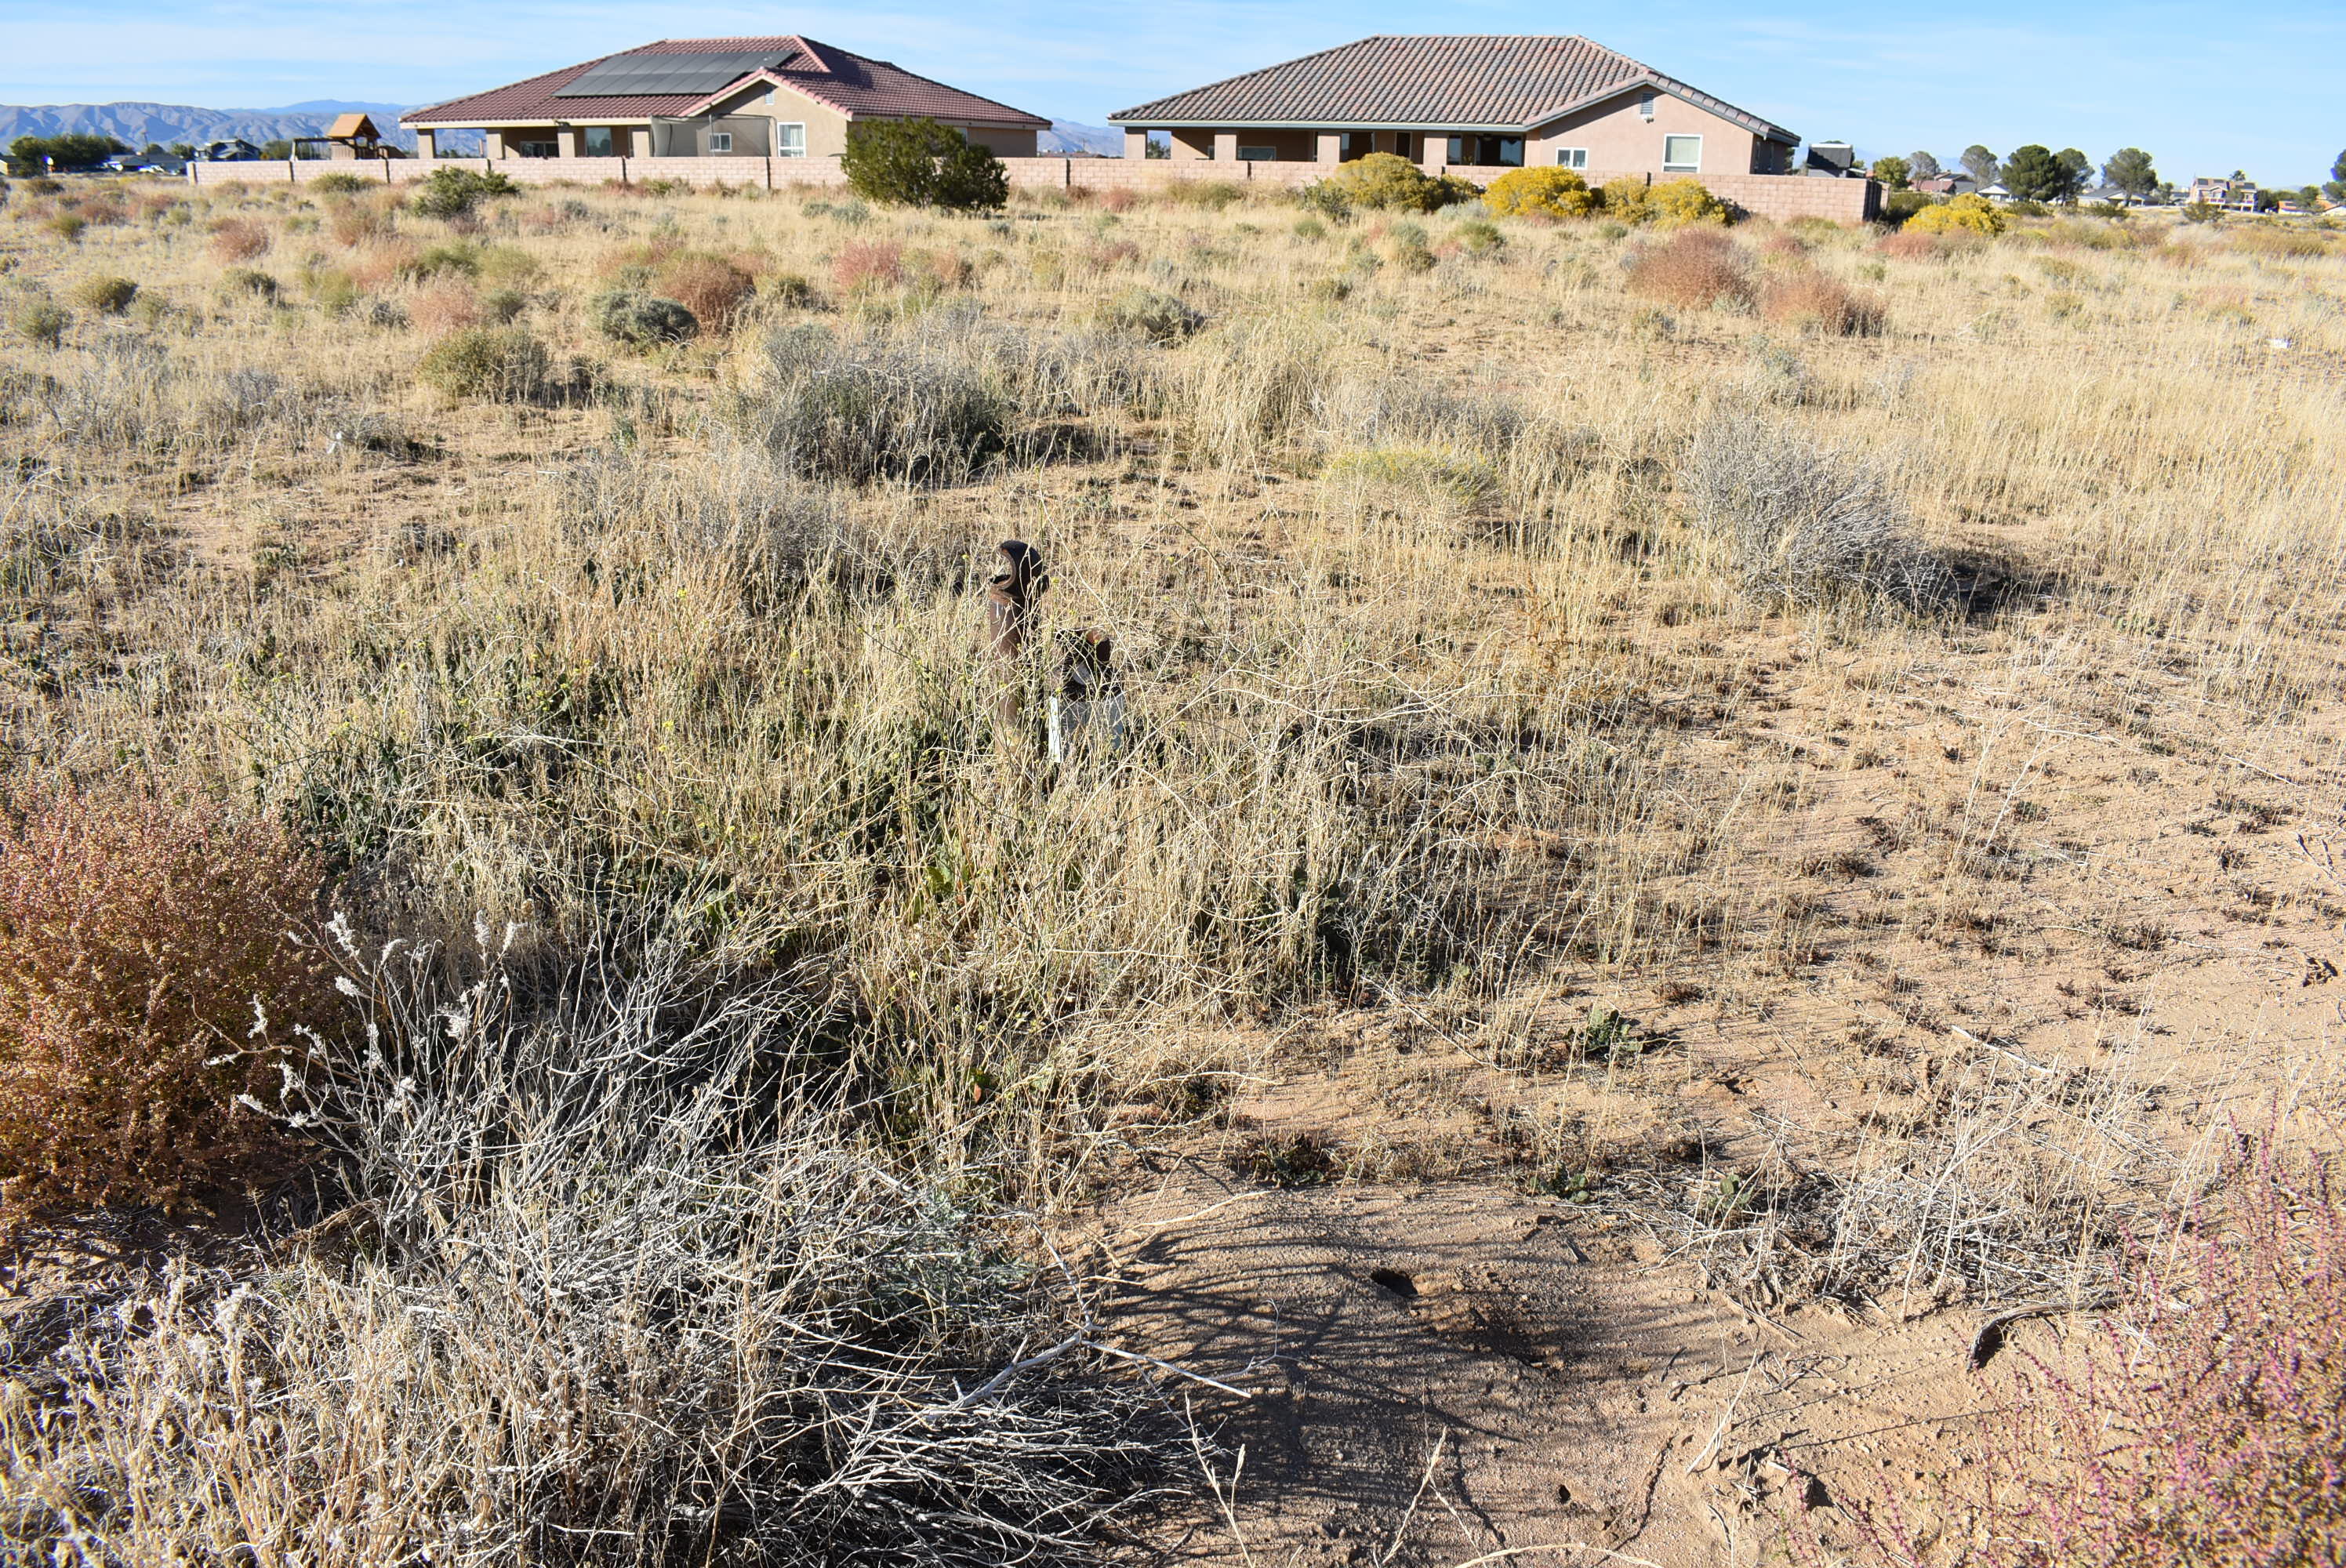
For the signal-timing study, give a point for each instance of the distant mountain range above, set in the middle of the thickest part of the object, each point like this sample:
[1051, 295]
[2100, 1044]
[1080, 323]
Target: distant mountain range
[139, 124]
[1066, 138]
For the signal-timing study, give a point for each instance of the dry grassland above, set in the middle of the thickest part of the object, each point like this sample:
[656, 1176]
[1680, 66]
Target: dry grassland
[1579, 1000]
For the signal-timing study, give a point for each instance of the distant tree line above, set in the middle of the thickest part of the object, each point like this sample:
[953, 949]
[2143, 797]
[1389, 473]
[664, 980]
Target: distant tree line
[2037, 173]
[30, 155]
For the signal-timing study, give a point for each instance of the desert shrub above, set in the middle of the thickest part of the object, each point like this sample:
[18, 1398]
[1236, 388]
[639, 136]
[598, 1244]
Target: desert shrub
[504, 306]
[1628, 200]
[67, 226]
[331, 288]
[455, 192]
[788, 289]
[450, 307]
[1965, 214]
[2203, 1423]
[503, 364]
[1211, 194]
[1478, 238]
[237, 239]
[456, 260]
[714, 290]
[919, 408]
[666, 1320]
[1682, 201]
[920, 163]
[1913, 245]
[1801, 524]
[340, 184]
[137, 938]
[248, 281]
[1408, 247]
[1556, 192]
[1898, 205]
[1692, 267]
[2201, 212]
[354, 223]
[1309, 229]
[1822, 303]
[1386, 182]
[42, 321]
[861, 267]
[107, 295]
[1145, 312]
[641, 321]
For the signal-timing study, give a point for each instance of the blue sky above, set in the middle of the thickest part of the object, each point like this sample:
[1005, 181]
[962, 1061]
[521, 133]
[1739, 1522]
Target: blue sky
[2253, 84]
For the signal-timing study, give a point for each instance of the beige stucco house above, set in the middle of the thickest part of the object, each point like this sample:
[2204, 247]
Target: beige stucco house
[1476, 100]
[781, 97]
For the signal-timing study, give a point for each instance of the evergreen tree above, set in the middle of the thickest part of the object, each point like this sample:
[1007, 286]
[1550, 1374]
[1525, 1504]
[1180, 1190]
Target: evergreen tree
[2130, 170]
[921, 163]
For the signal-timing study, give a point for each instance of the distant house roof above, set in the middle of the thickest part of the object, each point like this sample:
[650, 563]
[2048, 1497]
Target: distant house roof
[1435, 81]
[645, 85]
[1832, 157]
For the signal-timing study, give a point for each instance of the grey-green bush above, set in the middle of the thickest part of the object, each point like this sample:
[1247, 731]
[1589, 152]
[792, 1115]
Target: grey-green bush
[503, 365]
[42, 321]
[641, 321]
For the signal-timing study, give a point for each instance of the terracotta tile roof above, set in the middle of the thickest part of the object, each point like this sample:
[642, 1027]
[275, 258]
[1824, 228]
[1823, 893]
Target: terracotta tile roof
[1439, 81]
[847, 82]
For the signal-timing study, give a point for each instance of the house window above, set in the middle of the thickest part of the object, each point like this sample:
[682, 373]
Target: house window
[1487, 151]
[720, 141]
[595, 142]
[1682, 154]
[537, 149]
[790, 140]
[1646, 106]
[1258, 155]
[1572, 158]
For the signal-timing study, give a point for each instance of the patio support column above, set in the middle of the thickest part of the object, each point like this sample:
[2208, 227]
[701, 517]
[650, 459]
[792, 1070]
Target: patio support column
[427, 144]
[1328, 148]
[1226, 146]
[1136, 144]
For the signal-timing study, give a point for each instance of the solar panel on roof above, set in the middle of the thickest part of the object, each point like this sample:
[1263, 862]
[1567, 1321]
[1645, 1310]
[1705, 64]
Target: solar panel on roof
[648, 76]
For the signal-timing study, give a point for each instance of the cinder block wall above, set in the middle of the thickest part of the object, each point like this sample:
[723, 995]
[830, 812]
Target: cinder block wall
[1773, 196]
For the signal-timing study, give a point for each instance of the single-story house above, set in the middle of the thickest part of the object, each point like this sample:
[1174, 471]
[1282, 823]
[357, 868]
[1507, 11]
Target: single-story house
[1478, 101]
[229, 149]
[784, 96]
[1948, 185]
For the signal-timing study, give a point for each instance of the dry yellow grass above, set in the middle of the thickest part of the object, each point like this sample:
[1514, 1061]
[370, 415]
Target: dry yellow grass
[1446, 706]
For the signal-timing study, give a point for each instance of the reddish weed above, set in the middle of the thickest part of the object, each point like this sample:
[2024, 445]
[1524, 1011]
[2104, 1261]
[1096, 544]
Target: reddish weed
[137, 938]
[2208, 1423]
[1814, 299]
[239, 239]
[715, 291]
[1692, 267]
[878, 265]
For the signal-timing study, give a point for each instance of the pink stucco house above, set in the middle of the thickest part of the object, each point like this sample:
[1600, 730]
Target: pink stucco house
[786, 96]
[1475, 100]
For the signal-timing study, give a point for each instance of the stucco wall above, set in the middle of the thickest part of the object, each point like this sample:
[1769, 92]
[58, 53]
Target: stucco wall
[1618, 137]
[1778, 197]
